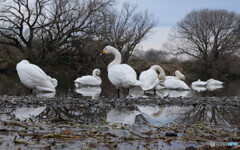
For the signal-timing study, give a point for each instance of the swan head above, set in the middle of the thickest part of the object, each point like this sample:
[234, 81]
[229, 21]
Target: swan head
[161, 76]
[109, 50]
[97, 72]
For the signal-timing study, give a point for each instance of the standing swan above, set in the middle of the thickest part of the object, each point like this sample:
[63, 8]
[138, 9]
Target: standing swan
[93, 80]
[150, 79]
[120, 75]
[34, 77]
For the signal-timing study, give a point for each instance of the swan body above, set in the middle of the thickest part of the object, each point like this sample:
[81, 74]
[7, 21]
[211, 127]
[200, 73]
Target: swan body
[150, 79]
[34, 77]
[213, 82]
[91, 80]
[120, 75]
[199, 83]
[175, 84]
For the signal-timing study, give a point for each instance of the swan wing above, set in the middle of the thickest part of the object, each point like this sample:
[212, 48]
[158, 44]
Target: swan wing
[175, 84]
[199, 83]
[30, 73]
[149, 79]
[171, 77]
[88, 80]
[122, 75]
[214, 82]
[33, 76]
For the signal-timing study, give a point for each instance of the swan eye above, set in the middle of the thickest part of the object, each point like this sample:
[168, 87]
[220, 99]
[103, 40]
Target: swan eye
[104, 51]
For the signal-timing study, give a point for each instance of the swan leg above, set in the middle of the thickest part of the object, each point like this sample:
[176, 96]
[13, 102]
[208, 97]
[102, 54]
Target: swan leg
[127, 91]
[31, 91]
[154, 92]
[118, 93]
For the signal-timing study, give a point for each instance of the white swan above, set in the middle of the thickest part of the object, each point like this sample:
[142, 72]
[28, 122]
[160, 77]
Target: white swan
[34, 77]
[120, 75]
[150, 79]
[199, 83]
[213, 82]
[91, 80]
[175, 84]
[178, 75]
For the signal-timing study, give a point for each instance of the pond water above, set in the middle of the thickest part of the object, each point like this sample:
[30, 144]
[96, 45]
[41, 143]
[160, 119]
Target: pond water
[155, 115]
[39, 121]
[10, 85]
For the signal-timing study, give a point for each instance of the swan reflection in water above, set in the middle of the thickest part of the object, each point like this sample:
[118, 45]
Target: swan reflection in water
[213, 87]
[150, 111]
[136, 92]
[199, 88]
[25, 113]
[172, 93]
[93, 91]
[122, 116]
[44, 94]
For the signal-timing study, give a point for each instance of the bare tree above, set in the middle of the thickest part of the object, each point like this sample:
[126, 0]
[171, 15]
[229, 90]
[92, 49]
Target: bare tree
[19, 21]
[206, 35]
[72, 24]
[125, 29]
[153, 55]
[52, 25]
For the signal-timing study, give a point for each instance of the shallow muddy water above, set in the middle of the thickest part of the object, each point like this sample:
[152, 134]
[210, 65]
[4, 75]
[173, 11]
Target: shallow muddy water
[191, 120]
[10, 85]
[142, 127]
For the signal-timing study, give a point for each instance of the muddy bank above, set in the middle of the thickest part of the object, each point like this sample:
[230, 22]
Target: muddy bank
[83, 123]
[18, 101]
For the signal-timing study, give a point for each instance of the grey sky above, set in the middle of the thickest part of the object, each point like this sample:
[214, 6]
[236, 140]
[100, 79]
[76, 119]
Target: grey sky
[169, 12]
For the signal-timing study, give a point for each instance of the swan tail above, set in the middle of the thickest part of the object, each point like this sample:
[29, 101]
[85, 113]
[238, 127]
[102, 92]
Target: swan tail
[138, 83]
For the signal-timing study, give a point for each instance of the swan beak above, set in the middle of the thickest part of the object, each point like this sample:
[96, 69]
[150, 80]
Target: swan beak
[159, 78]
[104, 51]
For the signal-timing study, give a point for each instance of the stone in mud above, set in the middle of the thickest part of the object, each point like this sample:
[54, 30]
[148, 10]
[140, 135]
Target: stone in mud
[171, 134]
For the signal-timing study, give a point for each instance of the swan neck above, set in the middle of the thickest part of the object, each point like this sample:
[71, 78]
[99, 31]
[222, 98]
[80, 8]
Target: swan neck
[117, 60]
[94, 74]
[158, 68]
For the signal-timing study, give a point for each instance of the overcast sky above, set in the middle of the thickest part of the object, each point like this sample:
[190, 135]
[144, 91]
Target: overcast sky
[169, 12]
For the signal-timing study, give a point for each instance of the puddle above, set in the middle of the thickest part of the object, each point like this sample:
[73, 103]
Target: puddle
[122, 127]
